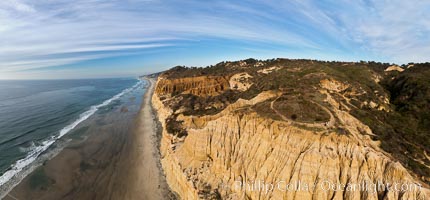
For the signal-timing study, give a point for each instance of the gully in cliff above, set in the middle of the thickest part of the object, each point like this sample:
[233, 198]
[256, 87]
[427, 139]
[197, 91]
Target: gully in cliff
[306, 134]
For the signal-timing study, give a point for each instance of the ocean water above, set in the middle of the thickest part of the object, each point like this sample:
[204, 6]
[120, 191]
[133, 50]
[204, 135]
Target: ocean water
[34, 115]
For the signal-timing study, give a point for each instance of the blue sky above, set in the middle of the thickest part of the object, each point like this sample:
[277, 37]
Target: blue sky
[117, 38]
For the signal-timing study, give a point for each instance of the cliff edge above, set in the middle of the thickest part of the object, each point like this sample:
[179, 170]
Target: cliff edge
[294, 129]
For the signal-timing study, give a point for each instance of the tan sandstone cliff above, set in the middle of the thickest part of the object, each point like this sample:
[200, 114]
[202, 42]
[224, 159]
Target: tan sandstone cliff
[200, 86]
[238, 154]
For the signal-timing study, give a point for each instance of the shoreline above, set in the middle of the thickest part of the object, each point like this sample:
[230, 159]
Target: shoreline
[41, 154]
[119, 159]
[146, 164]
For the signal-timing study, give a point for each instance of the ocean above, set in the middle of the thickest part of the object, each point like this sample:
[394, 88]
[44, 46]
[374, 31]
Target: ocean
[36, 115]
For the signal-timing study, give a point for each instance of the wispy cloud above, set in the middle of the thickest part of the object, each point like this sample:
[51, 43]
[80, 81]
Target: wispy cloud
[43, 33]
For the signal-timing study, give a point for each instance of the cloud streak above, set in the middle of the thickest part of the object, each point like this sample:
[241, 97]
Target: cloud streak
[45, 33]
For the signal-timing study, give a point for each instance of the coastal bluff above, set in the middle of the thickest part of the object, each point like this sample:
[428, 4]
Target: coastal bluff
[286, 129]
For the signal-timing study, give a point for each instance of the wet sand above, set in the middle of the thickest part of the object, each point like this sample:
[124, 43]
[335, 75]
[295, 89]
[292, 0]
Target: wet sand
[145, 179]
[118, 160]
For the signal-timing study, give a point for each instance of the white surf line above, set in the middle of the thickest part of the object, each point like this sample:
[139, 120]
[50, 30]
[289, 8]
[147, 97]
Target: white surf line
[34, 154]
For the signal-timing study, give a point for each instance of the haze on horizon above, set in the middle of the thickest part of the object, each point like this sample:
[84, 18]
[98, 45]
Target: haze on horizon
[47, 39]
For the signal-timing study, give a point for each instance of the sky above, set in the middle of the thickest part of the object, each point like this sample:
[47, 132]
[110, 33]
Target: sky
[55, 39]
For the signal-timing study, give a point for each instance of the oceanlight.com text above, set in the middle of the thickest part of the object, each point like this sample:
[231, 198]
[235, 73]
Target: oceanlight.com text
[326, 185]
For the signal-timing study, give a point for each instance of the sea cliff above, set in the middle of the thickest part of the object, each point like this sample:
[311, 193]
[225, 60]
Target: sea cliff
[227, 136]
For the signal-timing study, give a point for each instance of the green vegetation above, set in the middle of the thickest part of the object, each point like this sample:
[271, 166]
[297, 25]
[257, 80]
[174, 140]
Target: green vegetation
[299, 109]
[174, 126]
[404, 131]
[195, 105]
[263, 109]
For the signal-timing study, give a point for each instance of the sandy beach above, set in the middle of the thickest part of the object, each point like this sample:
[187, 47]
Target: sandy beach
[145, 179]
[118, 160]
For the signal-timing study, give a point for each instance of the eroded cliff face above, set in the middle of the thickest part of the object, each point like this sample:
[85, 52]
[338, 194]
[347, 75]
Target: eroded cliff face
[199, 86]
[255, 149]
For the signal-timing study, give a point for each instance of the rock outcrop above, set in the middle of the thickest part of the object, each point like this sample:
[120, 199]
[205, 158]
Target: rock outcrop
[199, 86]
[240, 153]
[240, 81]
[394, 68]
